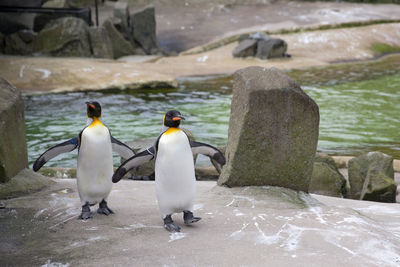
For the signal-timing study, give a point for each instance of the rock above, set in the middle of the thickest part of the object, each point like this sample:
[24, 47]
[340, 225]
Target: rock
[28, 36]
[10, 24]
[371, 177]
[100, 43]
[260, 45]
[246, 48]
[121, 47]
[41, 20]
[271, 48]
[13, 153]
[342, 161]
[20, 43]
[144, 29]
[25, 182]
[273, 131]
[326, 178]
[66, 36]
[121, 11]
[243, 37]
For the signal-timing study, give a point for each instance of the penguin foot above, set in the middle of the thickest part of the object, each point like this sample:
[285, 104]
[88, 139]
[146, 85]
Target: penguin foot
[104, 209]
[189, 218]
[85, 215]
[169, 224]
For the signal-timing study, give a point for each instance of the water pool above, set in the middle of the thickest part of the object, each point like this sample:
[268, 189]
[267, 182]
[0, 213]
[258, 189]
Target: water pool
[356, 116]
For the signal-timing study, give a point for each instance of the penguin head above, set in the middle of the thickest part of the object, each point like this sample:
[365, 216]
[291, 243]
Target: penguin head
[173, 118]
[93, 109]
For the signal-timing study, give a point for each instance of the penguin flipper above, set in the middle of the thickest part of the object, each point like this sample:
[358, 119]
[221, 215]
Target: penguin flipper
[133, 162]
[122, 149]
[208, 150]
[54, 151]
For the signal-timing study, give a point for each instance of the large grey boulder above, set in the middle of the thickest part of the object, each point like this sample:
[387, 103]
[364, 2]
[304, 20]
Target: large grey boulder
[144, 29]
[20, 43]
[67, 36]
[121, 47]
[371, 177]
[273, 131]
[100, 43]
[271, 48]
[13, 153]
[246, 48]
[326, 178]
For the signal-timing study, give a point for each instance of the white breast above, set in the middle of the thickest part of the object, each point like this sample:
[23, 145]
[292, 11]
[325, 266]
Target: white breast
[95, 165]
[174, 170]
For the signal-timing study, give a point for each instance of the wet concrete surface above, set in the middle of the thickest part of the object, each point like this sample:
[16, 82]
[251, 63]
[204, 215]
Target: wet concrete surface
[240, 226]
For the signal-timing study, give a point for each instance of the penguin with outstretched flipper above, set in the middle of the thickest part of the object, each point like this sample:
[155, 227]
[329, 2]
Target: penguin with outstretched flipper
[95, 164]
[174, 169]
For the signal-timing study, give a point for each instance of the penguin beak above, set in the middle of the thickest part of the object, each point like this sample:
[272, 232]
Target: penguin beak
[178, 118]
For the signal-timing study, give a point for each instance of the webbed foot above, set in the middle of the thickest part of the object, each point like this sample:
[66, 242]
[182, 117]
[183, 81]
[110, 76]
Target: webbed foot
[169, 224]
[86, 213]
[104, 209]
[189, 218]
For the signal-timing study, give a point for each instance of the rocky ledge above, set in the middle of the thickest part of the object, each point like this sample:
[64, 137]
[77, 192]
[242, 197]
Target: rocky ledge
[308, 49]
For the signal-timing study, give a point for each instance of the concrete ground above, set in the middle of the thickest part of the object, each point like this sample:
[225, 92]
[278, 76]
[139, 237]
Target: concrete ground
[249, 226]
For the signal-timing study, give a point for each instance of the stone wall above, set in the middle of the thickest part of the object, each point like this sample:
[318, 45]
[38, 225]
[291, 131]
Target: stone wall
[13, 152]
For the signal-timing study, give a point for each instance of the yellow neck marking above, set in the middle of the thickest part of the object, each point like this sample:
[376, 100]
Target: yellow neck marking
[172, 130]
[96, 122]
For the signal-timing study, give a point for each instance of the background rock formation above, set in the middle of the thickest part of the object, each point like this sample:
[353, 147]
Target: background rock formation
[261, 46]
[326, 179]
[371, 177]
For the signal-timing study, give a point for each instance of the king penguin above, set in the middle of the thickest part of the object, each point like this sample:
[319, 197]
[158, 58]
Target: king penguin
[95, 164]
[175, 179]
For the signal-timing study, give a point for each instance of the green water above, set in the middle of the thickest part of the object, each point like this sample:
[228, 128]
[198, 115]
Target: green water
[356, 116]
